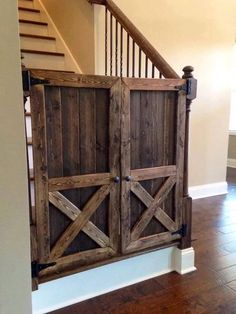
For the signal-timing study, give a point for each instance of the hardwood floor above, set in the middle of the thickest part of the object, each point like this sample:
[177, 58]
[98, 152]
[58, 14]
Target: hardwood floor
[211, 289]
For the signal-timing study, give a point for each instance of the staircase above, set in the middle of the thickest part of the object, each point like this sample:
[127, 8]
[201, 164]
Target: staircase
[42, 47]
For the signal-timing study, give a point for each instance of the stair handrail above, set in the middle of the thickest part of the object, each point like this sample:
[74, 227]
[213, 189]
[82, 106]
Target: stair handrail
[152, 54]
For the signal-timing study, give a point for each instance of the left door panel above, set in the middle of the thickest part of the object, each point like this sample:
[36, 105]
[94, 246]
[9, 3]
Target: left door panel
[76, 145]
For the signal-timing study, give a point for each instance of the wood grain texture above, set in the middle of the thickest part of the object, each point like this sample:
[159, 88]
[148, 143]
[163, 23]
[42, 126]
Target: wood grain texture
[153, 173]
[87, 180]
[38, 115]
[153, 84]
[71, 211]
[125, 166]
[180, 141]
[76, 263]
[159, 214]
[152, 240]
[95, 130]
[148, 214]
[114, 164]
[73, 230]
[56, 78]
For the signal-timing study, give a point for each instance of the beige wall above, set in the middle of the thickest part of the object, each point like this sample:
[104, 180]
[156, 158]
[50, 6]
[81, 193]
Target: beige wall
[15, 289]
[199, 33]
[74, 20]
[232, 147]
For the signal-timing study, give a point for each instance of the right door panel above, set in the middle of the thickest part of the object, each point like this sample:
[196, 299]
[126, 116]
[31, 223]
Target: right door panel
[153, 122]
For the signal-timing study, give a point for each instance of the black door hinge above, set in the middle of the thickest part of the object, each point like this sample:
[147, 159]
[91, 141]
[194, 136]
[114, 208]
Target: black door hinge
[29, 80]
[36, 268]
[190, 88]
[182, 231]
[183, 87]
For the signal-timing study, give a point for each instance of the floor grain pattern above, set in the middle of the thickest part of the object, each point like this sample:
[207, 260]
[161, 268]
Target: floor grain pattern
[211, 289]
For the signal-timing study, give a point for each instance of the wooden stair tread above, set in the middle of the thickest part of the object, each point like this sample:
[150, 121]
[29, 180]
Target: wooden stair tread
[40, 52]
[28, 114]
[37, 36]
[29, 10]
[33, 22]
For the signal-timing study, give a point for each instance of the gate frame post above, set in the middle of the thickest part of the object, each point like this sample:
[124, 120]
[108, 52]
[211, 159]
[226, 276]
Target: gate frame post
[187, 200]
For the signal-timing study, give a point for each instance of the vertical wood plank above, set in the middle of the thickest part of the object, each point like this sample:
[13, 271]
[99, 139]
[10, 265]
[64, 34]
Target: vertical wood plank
[151, 136]
[70, 131]
[102, 130]
[125, 166]
[40, 170]
[54, 153]
[54, 131]
[136, 207]
[87, 150]
[180, 140]
[87, 131]
[102, 104]
[70, 137]
[114, 153]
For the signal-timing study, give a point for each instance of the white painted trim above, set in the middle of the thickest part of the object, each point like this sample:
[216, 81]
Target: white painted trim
[208, 190]
[60, 37]
[231, 132]
[94, 282]
[231, 163]
[184, 261]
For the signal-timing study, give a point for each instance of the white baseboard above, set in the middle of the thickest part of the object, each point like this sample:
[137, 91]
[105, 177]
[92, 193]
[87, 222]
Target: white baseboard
[231, 163]
[184, 261]
[208, 190]
[72, 289]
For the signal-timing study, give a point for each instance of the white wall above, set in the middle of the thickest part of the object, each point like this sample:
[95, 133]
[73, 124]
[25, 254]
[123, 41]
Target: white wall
[198, 33]
[15, 283]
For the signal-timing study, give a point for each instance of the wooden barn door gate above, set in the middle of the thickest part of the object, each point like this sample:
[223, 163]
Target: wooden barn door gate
[108, 166]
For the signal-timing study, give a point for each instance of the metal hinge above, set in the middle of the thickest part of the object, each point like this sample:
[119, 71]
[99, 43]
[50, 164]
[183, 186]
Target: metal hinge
[183, 87]
[29, 81]
[182, 231]
[36, 268]
[190, 88]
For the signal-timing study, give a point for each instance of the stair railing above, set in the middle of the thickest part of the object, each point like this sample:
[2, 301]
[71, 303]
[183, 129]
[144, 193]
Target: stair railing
[127, 52]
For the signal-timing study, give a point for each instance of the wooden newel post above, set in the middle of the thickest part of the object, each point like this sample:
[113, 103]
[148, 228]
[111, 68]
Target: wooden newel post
[187, 202]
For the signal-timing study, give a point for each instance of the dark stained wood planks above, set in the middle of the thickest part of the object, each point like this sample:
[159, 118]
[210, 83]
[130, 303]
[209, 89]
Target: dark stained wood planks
[72, 231]
[125, 166]
[112, 181]
[155, 131]
[37, 97]
[114, 165]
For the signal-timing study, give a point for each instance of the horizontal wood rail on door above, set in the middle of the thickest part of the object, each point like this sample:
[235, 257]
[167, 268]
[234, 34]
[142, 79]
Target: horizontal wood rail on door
[158, 62]
[108, 168]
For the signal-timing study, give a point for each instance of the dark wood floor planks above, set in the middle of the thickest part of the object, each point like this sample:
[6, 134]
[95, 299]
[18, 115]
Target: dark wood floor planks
[211, 289]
